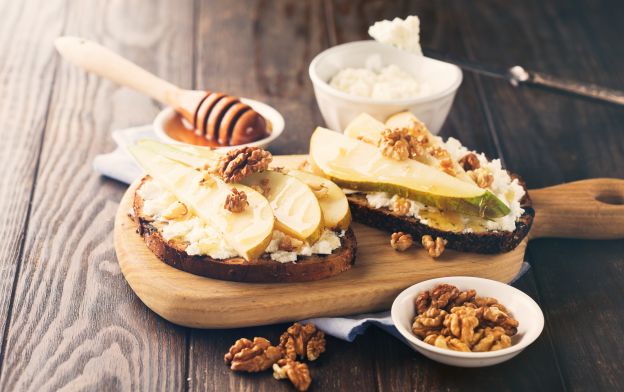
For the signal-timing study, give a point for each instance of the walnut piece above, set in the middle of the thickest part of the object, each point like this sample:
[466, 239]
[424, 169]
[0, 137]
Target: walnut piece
[443, 294]
[430, 322]
[303, 341]
[402, 143]
[401, 241]
[423, 302]
[493, 339]
[401, 206]
[238, 164]
[434, 248]
[482, 176]
[444, 160]
[249, 356]
[297, 372]
[460, 320]
[469, 162]
[289, 244]
[236, 201]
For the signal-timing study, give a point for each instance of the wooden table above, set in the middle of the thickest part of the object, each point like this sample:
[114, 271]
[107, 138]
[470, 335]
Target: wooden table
[68, 320]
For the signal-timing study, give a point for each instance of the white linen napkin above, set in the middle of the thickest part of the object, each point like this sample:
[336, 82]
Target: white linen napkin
[120, 166]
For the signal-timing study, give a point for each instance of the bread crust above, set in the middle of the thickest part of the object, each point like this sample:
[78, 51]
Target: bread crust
[261, 270]
[485, 242]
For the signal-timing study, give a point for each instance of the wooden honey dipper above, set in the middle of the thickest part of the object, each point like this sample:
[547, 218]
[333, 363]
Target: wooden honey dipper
[216, 116]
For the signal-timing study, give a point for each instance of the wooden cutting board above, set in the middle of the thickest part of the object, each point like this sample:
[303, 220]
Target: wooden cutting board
[592, 209]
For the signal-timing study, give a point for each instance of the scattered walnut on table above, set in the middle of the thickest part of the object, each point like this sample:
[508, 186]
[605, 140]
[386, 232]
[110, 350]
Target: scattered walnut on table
[469, 162]
[302, 341]
[236, 201]
[482, 177]
[249, 356]
[434, 248]
[401, 241]
[297, 372]
[238, 164]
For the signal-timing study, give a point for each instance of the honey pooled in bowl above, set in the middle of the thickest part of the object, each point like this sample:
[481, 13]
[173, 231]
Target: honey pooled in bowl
[237, 131]
[462, 321]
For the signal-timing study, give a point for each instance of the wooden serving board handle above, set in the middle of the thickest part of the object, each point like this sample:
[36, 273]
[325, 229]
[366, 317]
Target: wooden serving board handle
[587, 209]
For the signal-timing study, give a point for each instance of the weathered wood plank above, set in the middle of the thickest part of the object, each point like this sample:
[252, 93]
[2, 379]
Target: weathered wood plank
[552, 138]
[261, 49]
[26, 76]
[76, 324]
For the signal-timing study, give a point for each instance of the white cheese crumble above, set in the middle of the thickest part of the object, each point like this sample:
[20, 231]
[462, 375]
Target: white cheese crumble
[390, 82]
[507, 190]
[203, 239]
[404, 34]
[326, 244]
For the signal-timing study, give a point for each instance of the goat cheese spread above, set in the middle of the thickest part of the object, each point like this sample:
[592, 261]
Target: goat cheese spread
[404, 34]
[390, 82]
[205, 240]
[506, 189]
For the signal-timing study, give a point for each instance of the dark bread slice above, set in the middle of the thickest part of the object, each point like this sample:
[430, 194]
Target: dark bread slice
[483, 242]
[263, 269]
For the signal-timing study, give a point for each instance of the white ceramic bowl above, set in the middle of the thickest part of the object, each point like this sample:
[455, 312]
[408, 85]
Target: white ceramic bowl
[268, 112]
[339, 108]
[521, 306]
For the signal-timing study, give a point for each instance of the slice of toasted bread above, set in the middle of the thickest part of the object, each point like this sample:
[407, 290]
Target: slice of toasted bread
[263, 269]
[480, 242]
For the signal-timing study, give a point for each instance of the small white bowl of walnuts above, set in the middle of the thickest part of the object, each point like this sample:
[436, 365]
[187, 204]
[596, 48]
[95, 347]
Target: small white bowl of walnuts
[466, 321]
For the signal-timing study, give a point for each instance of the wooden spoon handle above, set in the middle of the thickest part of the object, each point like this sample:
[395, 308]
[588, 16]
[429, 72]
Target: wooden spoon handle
[588, 209]
[107, 64]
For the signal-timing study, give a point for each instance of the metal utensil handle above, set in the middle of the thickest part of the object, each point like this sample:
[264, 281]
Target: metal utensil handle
[573, 87]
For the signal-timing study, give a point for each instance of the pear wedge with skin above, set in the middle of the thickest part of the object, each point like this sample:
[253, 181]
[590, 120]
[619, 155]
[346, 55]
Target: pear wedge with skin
[357, 165]
[296, 208]
[248, 232]
[367, 128]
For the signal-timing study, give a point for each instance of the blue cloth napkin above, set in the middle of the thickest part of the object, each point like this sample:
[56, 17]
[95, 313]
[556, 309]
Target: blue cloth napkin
[120, 166]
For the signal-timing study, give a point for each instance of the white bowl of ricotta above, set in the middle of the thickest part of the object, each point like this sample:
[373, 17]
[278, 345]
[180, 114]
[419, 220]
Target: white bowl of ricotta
[382, 80]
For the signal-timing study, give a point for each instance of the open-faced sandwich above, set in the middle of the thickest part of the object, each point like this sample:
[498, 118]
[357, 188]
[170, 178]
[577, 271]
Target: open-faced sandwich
[402, 179]
[229, 216]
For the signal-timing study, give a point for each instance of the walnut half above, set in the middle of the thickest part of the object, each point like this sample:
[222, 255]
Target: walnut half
[297, 372]
[303, 341]
[434, 248]
[238, 164]
[401, 241]
[249, 356]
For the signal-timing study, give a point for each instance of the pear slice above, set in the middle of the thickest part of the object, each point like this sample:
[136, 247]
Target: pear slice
[333, 202]
[354, 164]
[296, 209]
[248, 232]
[366, 128]
[196, 157]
